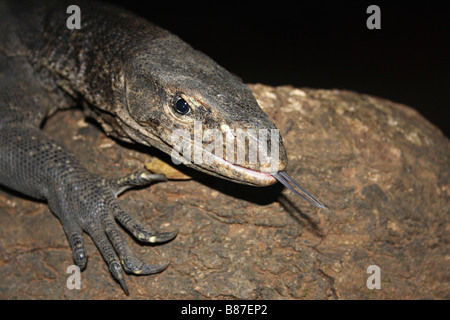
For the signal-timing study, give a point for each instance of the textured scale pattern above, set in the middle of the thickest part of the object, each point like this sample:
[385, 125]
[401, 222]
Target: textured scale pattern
[34, 164]
[125, 73]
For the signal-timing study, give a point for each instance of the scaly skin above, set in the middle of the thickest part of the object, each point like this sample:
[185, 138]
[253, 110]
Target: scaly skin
[127, 74]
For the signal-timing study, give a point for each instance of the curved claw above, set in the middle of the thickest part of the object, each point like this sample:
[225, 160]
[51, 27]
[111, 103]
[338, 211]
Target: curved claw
[135, 179]
[80, 256]
[151, 269]
[116, 270]
[135, 266]
[141, 231]
[163, 237]
[153, 237]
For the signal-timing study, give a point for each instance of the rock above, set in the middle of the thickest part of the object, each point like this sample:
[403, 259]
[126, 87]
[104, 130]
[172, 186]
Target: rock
[380, 167]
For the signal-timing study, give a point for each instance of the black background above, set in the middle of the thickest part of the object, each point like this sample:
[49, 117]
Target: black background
[323, 44]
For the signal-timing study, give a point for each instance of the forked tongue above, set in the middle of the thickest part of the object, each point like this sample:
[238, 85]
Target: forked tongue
[287, 181]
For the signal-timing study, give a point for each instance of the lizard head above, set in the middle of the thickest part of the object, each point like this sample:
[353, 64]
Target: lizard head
[185, 104]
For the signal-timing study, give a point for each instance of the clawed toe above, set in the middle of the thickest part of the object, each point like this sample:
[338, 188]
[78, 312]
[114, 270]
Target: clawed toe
[80, 256]
[141, 231]
[116, 270]
[135, 179]
[151, 237]
[99, 216]
[139, 268]
[162, 237]
[155, 268]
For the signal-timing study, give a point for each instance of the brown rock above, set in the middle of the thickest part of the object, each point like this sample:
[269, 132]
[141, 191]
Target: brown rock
[380, 167]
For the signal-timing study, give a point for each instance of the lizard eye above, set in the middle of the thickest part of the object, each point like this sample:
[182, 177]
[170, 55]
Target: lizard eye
[181, 106]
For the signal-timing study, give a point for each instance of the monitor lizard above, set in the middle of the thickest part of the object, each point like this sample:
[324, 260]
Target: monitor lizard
[141, 83]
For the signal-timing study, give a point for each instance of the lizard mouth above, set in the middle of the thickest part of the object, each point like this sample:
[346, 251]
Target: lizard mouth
[261, 178]
[260, 175]
[242, 174]
[220, 167]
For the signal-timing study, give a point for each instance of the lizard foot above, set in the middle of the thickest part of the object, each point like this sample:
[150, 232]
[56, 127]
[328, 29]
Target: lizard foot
[89, 204]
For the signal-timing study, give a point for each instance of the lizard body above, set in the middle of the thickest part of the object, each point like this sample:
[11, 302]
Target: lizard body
[141, 83]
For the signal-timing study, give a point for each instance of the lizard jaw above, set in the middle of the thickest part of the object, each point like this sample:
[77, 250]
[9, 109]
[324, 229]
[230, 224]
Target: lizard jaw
[261, 178]
[249, 176]
[230, 171]
[266, 179]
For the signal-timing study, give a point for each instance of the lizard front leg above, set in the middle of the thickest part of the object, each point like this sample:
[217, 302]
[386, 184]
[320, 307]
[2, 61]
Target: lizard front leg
[34, 164]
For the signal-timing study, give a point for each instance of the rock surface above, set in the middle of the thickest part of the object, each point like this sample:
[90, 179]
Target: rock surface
[380, 167]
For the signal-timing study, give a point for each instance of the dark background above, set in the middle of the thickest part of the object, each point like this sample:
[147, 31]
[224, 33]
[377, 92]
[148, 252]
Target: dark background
[323, 44]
